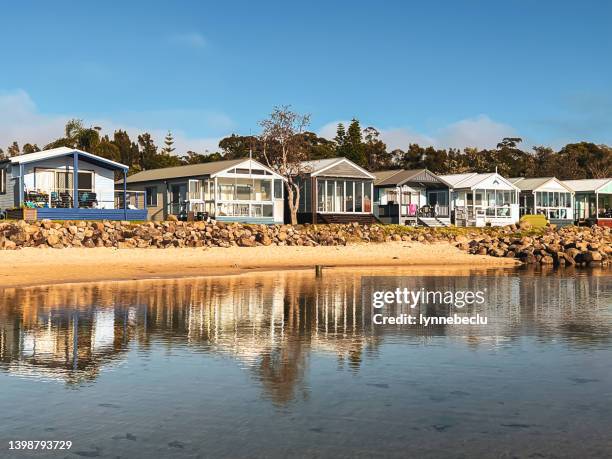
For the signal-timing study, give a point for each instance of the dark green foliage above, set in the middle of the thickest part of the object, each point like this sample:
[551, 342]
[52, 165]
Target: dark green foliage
[364, 147]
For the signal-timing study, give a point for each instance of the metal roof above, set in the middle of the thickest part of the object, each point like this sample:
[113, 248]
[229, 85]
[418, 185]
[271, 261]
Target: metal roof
[382, 176]
[471, 180]
[190, 170]
[454, 179]
[317, 166]
[529, 184]
[62, 151]
[587, 184]
[402, 176]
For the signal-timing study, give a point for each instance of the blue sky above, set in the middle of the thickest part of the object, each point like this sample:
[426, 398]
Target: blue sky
[447, 73]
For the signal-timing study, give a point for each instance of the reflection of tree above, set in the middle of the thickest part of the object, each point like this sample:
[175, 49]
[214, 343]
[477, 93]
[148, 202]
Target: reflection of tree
[275, 324]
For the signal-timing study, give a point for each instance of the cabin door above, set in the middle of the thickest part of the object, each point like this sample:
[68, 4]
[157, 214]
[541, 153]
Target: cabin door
[438, 200]
[178, 198]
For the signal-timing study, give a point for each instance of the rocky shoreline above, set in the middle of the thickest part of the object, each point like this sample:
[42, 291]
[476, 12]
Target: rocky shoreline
[569, 245]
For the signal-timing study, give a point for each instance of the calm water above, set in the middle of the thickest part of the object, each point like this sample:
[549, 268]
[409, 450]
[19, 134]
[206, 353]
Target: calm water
[284, 364]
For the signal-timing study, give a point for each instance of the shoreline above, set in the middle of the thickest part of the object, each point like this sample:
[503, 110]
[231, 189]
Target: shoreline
[35, 267]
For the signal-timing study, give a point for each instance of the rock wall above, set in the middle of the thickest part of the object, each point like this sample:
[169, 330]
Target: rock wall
[568, 245]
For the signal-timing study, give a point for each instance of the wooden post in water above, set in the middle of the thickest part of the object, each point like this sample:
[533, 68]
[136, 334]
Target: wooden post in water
[319, 270]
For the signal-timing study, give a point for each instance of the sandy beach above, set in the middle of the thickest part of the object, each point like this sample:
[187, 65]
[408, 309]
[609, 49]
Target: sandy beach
[32, 266]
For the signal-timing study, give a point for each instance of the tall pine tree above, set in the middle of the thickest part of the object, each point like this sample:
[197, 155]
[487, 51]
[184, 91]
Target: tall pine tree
[168, 144]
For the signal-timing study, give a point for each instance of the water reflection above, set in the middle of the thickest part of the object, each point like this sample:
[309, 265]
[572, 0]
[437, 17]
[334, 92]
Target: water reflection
[272, 323]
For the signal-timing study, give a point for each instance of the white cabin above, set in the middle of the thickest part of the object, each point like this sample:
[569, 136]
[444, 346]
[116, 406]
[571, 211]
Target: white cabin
[482, 199]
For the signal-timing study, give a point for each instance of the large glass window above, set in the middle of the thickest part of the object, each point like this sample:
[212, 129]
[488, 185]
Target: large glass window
[344, 196]
[553, 204]
[358, 196]
[226, 191]
[320, 195]
[339, 197]
[496, 203]
[278, 189]
[244, 189]
[367, 197]
[350, 196]
[329, 197]
[263, 190]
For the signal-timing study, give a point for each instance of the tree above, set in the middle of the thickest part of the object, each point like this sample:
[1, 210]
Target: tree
[128, 150]
[350, 144]
[2, 154]
[284, 151]
[239, 146]
[168, 144]
[594, 161]
[30, 148]
[78, 136]
[375, 151]
[340, 135]
[13, 150]
[107, 149]
[317, 147]
[197, 158]
[509, 142]
[148, 151]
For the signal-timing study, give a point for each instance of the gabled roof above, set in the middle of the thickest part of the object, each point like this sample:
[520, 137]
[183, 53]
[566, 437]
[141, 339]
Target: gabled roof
[382, 176]
[588, 184]
[530, 184]
[472, 180]
[320, 166]
[191, 170]
[454, 179]
[401, 176]
[63, 151]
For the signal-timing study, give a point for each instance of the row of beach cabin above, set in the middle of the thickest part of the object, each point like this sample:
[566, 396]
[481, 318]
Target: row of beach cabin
[65, 183]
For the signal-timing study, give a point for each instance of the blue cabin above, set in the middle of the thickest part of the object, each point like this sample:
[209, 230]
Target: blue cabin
[68, 184]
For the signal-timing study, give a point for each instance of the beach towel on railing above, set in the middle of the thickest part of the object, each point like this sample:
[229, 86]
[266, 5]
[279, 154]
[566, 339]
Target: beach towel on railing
[412, 209]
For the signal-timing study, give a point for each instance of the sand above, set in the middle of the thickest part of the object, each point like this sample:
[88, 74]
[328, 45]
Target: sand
[35, 266]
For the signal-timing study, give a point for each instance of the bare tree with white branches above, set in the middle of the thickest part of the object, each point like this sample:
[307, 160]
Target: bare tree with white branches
[284, 151]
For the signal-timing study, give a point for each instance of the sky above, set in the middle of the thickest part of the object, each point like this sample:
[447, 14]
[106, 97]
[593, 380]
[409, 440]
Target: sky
[442, 73]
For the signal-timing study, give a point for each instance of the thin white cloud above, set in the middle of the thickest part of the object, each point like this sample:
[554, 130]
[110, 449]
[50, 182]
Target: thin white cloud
[21, 121]
[480, 132]
[191, 39]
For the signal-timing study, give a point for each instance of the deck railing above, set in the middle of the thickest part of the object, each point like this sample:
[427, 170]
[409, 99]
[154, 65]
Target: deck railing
[63, 198]
[135, 200]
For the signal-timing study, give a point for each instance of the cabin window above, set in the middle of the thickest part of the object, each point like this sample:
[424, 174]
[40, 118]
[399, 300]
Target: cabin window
[243, 192]
[278, 190]
[553, 204]
[349, 198]
[2, 181]
[358, 197]
[151, 192]
[367, 197]
[344, 196]
[263, 190]
[86, 181]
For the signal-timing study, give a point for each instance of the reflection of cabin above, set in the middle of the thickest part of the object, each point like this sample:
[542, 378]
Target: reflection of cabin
[546, 196]
[239, 190]
[335, 190]
[411, 197]
[593, 200]
[482, 199]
